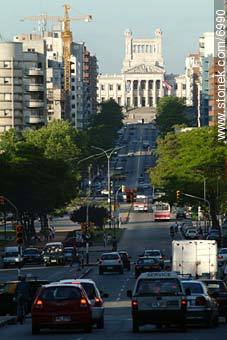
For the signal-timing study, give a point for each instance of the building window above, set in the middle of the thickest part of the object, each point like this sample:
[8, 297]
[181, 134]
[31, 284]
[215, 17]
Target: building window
[73, 88]
[102, 87]
[135, 84]
[150, 101]
[103, 99]
[143, 84]
[111, 87]
[128, 101]
[119, 87]
[119, 100]
[143, 101]
[73, 106]
[150, 84]
[184, 86]
[73, 97]
[73, 80]
[135, 101]
[158, 84]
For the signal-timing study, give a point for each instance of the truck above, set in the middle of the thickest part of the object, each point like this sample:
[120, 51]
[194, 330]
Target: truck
[195, 258]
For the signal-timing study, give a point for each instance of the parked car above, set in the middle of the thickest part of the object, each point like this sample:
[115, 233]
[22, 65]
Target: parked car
[32, 255]
[8, 304]
[126, 259]
[110, 262]
[191, 234]
[201, 307]
[61, 305]
[95, 298]
[75, 242]
[12, 257]
[53, 253]
[222, 255]
[158, 254]
[147, 264]
[217, 289]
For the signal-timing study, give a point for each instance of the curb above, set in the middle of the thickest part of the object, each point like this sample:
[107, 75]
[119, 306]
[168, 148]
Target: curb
[7, 320]
[86, 273]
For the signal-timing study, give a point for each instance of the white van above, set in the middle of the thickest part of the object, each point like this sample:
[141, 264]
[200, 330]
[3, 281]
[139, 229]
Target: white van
[12, 257]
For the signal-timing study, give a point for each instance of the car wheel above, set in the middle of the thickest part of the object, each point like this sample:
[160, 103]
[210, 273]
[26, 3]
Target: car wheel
[88, 329]
[135, 326]
[35, 329]
[100, 323]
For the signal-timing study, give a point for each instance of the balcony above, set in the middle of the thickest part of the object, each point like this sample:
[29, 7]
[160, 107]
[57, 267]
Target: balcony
[35, 72]
[35, 87]
[36, 119]
[34, 103]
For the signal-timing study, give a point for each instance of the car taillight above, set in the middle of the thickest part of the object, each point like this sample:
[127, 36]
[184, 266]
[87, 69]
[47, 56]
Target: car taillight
[161, 257]
[184, 302]
[200, 301]
[38, 304]
[83, 302]
[98, 302]
[134, 304]
[220, 257]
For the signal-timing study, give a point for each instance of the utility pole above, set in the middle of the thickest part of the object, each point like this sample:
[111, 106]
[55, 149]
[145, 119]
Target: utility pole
[87, 214]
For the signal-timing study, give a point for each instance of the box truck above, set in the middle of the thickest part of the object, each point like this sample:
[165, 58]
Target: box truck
[197, 258]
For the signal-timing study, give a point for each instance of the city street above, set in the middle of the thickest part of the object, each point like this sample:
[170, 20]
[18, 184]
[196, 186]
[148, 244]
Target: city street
[140, 234]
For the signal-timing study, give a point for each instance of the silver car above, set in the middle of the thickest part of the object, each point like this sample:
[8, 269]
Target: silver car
[95, 298]
[201, 307]
[110, 262]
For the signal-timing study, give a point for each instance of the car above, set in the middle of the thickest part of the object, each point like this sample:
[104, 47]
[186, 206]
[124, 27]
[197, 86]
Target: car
[222, 255]
[217, 289]
[180, 216]
[32, 255]
[75, 241]
[214, 236]
[53, 253]
[95, 297]
[130, 154]
[70, 254]
[147, 264]
[12, 257]
[191, 234]
[110, 262]
[125, 259]
[61, 305]
[158, 298]
[8, 304]
[201, 307]
[158, 254]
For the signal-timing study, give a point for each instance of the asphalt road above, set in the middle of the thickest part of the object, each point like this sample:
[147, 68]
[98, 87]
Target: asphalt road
[141, 233]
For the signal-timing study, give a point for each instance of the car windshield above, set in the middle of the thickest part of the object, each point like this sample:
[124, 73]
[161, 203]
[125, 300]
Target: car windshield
[31, 252]
[216, 286]
[195, 287]
[110, 257]
[223, 251]
[68, 251]
[158, 287]
[89, 289]
[147, 261]
[60, 293]
[152, 253]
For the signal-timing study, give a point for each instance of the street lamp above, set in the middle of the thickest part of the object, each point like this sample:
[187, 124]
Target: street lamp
[108, 154]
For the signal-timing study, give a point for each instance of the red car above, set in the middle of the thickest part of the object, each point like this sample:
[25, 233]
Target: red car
[61, 306]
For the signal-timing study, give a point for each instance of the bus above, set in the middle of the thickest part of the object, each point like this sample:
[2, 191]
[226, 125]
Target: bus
[161, 211]
[141, 203]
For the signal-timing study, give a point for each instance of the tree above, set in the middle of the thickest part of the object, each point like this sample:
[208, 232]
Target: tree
[96, 215]
[185, 160]
[169, 113]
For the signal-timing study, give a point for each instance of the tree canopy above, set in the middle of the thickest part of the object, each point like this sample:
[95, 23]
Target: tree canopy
[186, 159]
[169, 113]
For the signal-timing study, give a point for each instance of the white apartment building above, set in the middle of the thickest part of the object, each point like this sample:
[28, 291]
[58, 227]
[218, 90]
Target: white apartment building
[22, 86]
[192, 70]
[140, 83]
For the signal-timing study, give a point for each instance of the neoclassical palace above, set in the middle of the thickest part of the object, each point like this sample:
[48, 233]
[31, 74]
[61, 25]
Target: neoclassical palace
[141, 80]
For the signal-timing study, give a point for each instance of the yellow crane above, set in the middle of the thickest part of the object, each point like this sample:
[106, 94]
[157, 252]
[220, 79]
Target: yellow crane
[67, 41]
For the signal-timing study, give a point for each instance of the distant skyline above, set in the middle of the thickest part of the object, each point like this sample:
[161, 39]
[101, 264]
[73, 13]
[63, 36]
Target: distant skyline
[182, 23]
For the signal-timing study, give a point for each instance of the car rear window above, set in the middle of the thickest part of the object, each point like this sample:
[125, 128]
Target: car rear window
[89, 289]
[60, 293]
[146, 287]
[31, 252]
[146, 261]
[223, 251]
[152, 253]
[195, 288]
[110, 257]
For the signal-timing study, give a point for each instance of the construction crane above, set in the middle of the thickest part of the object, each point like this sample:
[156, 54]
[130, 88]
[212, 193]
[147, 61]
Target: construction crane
[67, 39]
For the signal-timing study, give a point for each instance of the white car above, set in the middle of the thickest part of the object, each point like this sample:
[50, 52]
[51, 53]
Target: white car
[110, 262]
[95, 298]
[130, 154]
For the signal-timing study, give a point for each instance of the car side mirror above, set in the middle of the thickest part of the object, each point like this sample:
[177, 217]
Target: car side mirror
[188, 291]
[129, 294]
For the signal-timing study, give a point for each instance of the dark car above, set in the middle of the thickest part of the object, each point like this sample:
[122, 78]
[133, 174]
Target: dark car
[125, 259]
[73, 242]
[180, 216]
[53, 253]
[7, 294]
[218, 290]
[70, 254]
[32, 255]
[147, 264]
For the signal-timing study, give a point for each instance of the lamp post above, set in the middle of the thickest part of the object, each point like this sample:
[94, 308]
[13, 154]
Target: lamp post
[108, 154]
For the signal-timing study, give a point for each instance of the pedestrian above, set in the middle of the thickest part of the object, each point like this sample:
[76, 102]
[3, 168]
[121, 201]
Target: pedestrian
[104, 240]
[114, 244]
[109, 238]
[22, 297]
[52, 232]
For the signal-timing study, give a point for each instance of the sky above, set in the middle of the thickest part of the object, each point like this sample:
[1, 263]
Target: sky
[181, 21]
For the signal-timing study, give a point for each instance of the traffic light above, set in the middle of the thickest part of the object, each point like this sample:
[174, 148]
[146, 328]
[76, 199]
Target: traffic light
[178, 193]
[2, 200]
[19, 233]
